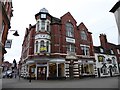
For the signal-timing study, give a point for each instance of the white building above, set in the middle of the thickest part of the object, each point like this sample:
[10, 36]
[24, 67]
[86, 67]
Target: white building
[106, 64]
[116, 11]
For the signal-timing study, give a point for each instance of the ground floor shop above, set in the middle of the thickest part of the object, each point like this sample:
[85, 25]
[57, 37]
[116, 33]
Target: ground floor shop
[58, 68]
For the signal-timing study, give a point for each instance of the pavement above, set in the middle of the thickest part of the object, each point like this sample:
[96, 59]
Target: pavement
[110, 82]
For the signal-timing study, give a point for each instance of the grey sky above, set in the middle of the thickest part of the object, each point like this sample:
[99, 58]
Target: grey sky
[93, 13]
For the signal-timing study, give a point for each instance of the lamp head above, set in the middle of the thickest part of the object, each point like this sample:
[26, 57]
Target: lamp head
[16, 33]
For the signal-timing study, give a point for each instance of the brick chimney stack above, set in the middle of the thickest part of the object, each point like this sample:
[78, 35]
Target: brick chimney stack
[103, 40]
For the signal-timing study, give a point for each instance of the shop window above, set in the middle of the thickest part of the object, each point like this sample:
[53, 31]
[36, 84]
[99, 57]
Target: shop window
[83, 35]
[52, 70]
[69, 30]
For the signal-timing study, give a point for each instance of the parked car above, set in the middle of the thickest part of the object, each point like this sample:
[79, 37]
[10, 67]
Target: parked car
[7, 74]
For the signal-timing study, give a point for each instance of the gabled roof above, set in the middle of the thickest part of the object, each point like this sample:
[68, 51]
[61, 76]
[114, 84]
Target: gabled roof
[68, 13]
[115, 7]
[84, 26]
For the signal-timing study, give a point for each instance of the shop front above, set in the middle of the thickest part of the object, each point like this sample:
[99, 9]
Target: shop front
[45, 69]
[56, 69]
[87, 68]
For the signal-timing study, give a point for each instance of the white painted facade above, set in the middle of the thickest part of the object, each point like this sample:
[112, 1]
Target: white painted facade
[103, 65]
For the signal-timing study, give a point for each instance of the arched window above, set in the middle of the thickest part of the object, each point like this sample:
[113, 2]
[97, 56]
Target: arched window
[69, 30]
[42, 43]
[42, 46]
[36, 46]
[83, 35]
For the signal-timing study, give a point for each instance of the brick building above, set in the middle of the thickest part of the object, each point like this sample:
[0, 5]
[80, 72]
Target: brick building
[57, 48]
[107, 57]
[5, 17]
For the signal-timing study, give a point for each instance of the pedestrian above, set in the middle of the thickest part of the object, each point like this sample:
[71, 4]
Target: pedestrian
[19, 76]
[30, 77]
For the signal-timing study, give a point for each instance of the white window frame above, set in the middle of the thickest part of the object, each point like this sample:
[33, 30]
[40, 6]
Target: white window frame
[70, 48]
[111, 51]
[85, 47]
[101, 50]
[43, 25]
[69, 29]
[83, 35]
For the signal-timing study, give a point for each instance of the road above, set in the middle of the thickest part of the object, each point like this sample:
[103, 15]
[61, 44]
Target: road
[109, 82]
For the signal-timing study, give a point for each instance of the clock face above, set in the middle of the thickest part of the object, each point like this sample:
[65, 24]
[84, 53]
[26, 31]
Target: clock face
[43, 15]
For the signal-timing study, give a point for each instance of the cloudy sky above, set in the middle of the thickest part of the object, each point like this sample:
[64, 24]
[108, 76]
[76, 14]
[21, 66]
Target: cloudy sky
[94, 13]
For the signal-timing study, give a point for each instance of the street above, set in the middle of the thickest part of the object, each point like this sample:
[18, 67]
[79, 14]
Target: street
[109, 82]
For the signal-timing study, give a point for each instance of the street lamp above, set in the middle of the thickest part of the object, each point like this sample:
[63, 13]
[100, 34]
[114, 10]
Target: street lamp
[16, 33]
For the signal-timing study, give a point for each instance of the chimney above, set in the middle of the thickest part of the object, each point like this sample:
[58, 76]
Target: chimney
[30, 26]
[103, 40]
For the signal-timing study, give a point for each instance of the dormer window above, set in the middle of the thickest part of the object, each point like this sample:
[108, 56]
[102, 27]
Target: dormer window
[111, 51]
[101, 50]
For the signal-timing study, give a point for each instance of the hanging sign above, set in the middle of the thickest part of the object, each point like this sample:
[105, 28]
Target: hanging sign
[8, 43]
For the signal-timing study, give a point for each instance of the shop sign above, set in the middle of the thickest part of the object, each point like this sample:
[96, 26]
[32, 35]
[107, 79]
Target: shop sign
[42, 49]
[70, 40]
[8, 43]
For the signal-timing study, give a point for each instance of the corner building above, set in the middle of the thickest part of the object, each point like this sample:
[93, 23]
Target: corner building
[56, 48]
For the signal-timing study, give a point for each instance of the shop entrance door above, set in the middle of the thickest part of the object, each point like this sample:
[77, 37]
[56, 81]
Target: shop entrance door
[41, 73]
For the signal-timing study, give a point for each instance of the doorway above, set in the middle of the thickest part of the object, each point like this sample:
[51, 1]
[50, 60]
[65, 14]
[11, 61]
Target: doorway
[41, 73]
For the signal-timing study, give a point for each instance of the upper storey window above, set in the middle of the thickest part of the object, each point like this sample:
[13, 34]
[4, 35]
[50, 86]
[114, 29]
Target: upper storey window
[83, 35]
[43, 25]
[69, 30]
